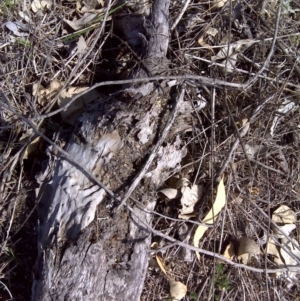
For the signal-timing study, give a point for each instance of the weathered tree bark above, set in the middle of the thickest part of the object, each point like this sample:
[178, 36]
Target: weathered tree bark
[89, 249]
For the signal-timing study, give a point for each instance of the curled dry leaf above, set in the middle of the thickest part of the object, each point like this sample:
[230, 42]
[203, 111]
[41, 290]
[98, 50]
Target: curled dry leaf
[15, 28]
[37, 5]
[229, 251]
[161, 264]
[202, 43]
[286, 107]
[170, 193]
[219, 203]
[177, 289]
[247, 248]
[229, 53]
[71, 113]
[190, 196]
[218, 3]
[25, 16]
[284, 215]
[209, 32]
[236, 47]
[44, 95]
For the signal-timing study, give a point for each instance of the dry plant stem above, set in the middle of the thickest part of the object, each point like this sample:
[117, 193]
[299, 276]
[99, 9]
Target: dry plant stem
[240, 139]
[153, 154]
[272, 236]
[206, 81]
[291, 60]
[280, 230]
[88, 174]
[284, 48]
[82, 59]
[267, 167]
[187, 2]
[44, 71]
[242, 133]
[267, 61]
[8, 291]
[13, 211]
[91, 60]
[212, 254]
[242, 71]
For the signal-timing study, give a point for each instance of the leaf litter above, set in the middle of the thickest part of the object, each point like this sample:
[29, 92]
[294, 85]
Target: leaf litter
[212, 215]
[286, 250]
[287, 228]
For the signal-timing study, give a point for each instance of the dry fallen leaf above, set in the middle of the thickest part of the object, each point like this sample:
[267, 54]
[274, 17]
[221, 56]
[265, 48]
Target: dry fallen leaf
[161, 264]
[284, 215]
[283, 231]
[44, 96]
[72, 112]
[15, 28]
[229, 53]
[40, 5]
[218, 3]
[177, 289]
[190, 196]
[81, 45]
[286, 107]
[83, 22]
[170, 193]
[219, 203]
[211, 31]
[293, 247]
[202, 43]
[229, 251]
[247, 248]
[32, 146]
[273, 249]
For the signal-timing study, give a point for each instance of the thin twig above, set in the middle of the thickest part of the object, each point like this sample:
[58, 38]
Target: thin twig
[268, 59]
[287, 268]
[88, 174]
[202, 79]
[187, 2]
[153, 154]
[82, 59]
[242, 133]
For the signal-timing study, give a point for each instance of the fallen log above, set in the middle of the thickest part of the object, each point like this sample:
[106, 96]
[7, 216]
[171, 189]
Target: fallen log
[90, 248]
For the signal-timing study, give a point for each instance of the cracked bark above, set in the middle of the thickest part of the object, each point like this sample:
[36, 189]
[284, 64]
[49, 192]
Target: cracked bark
[87, 250]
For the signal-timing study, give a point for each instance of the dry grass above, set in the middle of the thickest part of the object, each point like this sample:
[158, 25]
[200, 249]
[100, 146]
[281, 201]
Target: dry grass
[255, 188]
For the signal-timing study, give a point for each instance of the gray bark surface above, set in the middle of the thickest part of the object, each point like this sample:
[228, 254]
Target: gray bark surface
[87, 249]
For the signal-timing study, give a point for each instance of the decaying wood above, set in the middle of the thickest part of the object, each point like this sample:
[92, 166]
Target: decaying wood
[88, 249]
